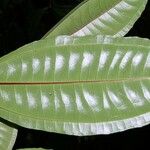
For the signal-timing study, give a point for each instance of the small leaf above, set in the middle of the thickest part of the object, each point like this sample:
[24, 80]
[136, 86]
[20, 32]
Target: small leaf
[105, 17]
[78, 86]
[7, 137]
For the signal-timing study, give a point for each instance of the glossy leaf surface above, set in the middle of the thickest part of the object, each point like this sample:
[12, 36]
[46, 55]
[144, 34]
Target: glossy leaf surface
[80, 86]
[7, 137]
[105, 17]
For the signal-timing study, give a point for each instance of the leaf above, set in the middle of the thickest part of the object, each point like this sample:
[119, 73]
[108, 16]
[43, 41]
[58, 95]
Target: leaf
[105, 17]
[7, 137]
[79, 86]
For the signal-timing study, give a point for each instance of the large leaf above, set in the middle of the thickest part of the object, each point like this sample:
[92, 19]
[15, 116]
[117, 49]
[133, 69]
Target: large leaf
[107, 17]
[7, 136]
[80, 86]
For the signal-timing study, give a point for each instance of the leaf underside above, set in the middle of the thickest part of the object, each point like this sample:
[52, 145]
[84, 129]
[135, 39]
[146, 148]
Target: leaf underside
[104, 17]
[7, 137]
[99, 23]
[78, 86]
[107, 17]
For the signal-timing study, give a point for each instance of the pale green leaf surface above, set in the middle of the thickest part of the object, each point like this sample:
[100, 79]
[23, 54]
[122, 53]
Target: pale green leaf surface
[105, 17]
[78, 86]
[7, 136]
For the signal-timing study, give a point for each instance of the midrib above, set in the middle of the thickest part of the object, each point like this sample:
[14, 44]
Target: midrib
[77, 81]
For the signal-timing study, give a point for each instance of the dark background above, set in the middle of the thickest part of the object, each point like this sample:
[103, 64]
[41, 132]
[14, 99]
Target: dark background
[23, 21]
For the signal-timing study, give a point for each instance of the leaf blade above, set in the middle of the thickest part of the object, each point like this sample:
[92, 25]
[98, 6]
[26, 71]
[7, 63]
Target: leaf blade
[107, 84]
[93, 17]
[8, 136]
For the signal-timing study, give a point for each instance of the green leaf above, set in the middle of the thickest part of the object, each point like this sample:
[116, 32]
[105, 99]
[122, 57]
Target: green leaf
[7, 137]
[105, 17]
[78, 86]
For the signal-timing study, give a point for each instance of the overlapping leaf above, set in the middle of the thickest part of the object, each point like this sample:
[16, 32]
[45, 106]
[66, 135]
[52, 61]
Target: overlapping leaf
[80, 86]
[105, 17]
[101, 25]
[7, 136]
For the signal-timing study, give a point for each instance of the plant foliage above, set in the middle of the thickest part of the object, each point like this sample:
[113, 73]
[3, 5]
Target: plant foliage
[100, 80]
